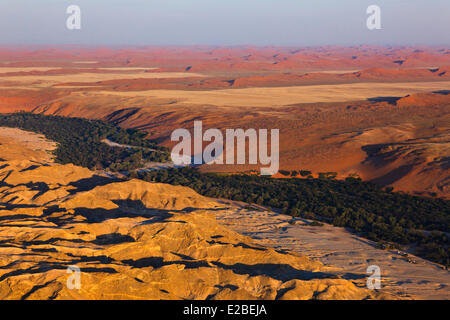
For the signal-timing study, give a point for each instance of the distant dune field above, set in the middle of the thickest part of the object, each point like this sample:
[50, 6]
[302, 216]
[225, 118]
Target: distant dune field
[48, 80]
[271, 97]
[365, 110]
[5, 70]
[381, 114]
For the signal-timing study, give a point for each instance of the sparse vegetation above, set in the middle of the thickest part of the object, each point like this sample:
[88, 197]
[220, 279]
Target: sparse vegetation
[79, 141]
[365, 208]
[327, 175]
[285, 173]
[389, 218]
[305, 173]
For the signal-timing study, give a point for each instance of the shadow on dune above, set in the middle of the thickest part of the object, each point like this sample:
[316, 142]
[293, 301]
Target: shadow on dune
[444, 163]
[41, 187]
[158, 262]
[390, 100]
[443, 92]
[119, 116]
[45, 266]
[393, 175]
[17, 217]
[378, 159]
[61, 260]
[282, 272]
[242, 245]
[137, 209]
[99, 215]
[375, 157]
[105, 239]
[30, 168]
[126, 208]
[9, 206]
[91, 183]
[113, 238]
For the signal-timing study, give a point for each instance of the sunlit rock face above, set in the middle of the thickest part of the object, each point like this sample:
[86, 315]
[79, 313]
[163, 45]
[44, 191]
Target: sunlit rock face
[137, 240]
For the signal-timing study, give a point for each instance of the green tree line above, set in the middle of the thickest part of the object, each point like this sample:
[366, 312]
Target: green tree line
[80, 141]
[363, 207]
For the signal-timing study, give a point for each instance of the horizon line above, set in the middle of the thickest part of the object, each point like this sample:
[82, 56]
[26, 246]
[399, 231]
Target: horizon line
[84, 45]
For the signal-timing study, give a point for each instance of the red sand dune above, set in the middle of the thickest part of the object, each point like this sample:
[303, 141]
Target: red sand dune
[423, 100]
[26, 100]
[263, 80]
[317, 137]
[228, 59]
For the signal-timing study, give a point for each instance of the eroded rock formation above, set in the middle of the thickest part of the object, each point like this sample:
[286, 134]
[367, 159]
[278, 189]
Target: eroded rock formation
[137, 240]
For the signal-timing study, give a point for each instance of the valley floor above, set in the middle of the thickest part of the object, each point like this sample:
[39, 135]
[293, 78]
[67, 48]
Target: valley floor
[350, 254]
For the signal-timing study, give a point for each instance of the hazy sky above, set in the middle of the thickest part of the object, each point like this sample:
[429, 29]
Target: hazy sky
[225, 22]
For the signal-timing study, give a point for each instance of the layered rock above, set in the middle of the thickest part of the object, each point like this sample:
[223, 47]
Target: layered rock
[137, 240]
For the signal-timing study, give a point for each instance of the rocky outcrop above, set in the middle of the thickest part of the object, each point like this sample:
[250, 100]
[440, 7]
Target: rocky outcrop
[137, 240]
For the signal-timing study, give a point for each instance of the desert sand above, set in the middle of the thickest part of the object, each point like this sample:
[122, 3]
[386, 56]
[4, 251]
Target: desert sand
[366, 111]
[44, 81]
[402, 274]
[272, 97]
[138, 240]
[16, 144]
[369, 138]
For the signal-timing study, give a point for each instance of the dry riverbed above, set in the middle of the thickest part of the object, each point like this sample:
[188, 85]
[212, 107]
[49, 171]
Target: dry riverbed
[409, 276]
